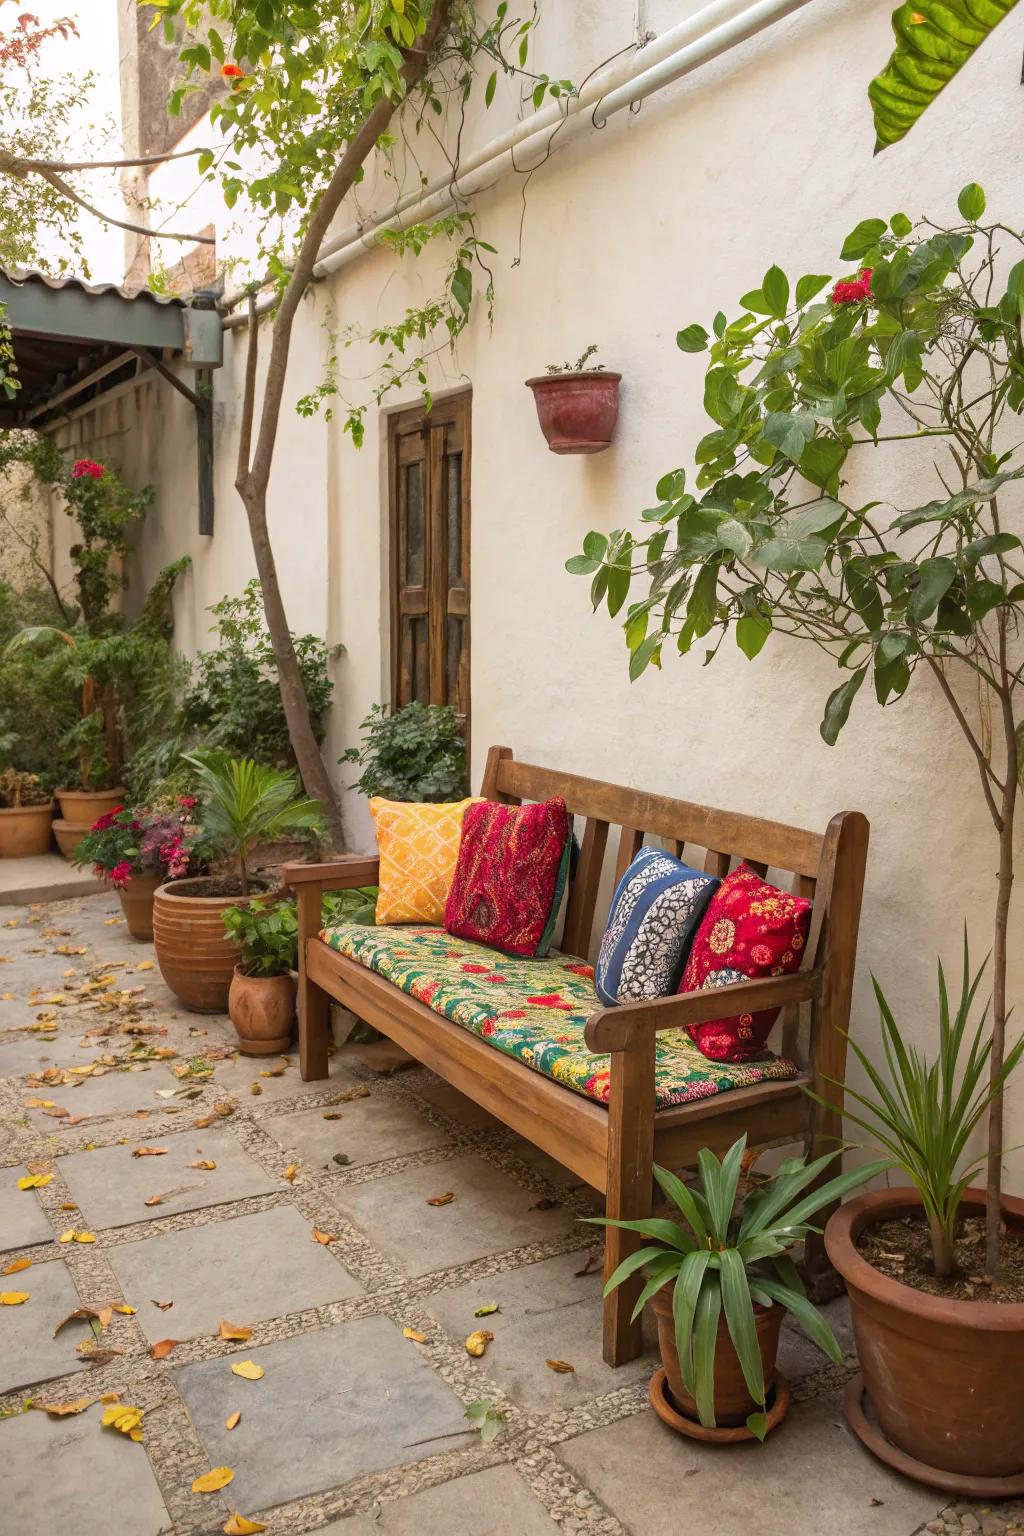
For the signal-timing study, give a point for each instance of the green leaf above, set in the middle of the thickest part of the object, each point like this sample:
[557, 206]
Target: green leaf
[809, 285]
[752, 630]
[776, 291]
[806, 1314]
[628, 1267]
[862, 239]
[788, 432]
[693, 338]
[739, 1317]
[935, 577]
[757, 1423]
[971, 202]
[462, 288]
[581, 565]
[900, 225]
[934, 40]
[671, 487]
[705, 1338]
[822, 460]
[684, 1308]
[595, 545]
[837, 707]
[490, 87]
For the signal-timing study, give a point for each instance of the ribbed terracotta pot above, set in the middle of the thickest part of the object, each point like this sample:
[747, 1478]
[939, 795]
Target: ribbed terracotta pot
[25, 831]
[577, 411]
[69, 834]
[945, 1378]
[137, 904]
[733, 1403]
[196, 958]
[88, 805]
[262, 1009]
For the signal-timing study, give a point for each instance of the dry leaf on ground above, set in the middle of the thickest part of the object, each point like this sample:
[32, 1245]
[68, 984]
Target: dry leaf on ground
[561, 1366]
[16, 1266]
[125, 1309]
[127, 1420]
[323, 1237]
[72, 1235]
[233, 1420]
[445, 1199]
[238, 1331]
[248, 1370]
[143, 965]
[415, 1335]
[332, 1114]
[290, 1172]
[478, 1341]
[204, 1162]
[35, 1180]
[85, 1315]
[593, 1264]
[64, 1410]
[164, 1306]
[13, 1298]
[162, 1349]
[149, 1151]
[487, 1309]
[217, 1477]
[240, 1525]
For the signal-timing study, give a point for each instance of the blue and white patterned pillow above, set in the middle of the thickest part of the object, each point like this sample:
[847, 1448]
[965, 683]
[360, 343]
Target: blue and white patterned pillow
[655, 912]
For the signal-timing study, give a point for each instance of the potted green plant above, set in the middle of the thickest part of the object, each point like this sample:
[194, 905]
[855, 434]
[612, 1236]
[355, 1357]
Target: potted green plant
[416, 753]
[941, 1352]
[26, 815]
[720, 1279]
[243, 803]
[261, 999]
[136, 850]
[577, 405]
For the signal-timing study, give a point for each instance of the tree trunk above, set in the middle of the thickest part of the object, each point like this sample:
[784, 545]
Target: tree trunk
[994, 1176]
[943, 1253]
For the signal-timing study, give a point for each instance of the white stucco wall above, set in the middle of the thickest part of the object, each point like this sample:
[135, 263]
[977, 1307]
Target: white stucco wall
[630, 233]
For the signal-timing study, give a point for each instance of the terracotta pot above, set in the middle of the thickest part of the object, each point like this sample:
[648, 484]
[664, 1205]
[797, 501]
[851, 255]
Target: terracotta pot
[69, 834]
[195, 956]
[733, 1403]
[945, 1378]
[25, 831]
[137, 904]
[88, 805]
[577, 411]
[262, 1009]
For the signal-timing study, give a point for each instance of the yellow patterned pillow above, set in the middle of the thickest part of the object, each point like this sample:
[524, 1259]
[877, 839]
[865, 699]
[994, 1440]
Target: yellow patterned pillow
[419, 848]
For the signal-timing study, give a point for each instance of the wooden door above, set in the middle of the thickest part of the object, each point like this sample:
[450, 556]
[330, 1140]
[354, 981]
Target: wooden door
[428, 469]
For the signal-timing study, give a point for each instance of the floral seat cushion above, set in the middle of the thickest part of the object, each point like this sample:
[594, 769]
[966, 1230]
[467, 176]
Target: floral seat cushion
[534, 1010]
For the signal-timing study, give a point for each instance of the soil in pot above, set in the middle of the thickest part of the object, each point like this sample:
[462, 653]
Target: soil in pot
[196, 958]
[137, 904]
[262, 1009]
[25, 831]
[901, 1248]
[733, 1403]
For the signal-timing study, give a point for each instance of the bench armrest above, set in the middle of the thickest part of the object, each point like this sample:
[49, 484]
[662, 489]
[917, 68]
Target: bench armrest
[342, 874]
[615, 1029]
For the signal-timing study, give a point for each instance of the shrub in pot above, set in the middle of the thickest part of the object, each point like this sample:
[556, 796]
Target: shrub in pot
[26, 815]
[243, 803]
[577, 406]
[136, 850]
[941, 1349]
[720, 1280]
[261, 999]
[416, 753]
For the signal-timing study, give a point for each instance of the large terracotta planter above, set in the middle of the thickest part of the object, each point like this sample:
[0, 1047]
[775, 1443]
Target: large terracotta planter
[69, 834]
[945, 1379]
[577, 411]
[733, 1403]
[25, 830]
[137, 904]
[196, 958]
[88, 805]
[262, 1009]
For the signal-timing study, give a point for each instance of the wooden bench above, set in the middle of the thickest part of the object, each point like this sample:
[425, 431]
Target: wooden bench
[613, 1148]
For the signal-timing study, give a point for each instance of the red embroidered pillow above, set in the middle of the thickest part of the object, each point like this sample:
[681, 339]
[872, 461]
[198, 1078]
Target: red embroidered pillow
[513, 862]
[750, 929]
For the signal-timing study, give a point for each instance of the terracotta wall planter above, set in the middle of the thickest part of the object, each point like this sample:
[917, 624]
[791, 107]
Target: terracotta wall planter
[577, 411]
[69, 834]
[945, 1378]
[88, 805]
[262, 1009]
[196, 958]
[733, 1402]
[137, 904]
[25, 831]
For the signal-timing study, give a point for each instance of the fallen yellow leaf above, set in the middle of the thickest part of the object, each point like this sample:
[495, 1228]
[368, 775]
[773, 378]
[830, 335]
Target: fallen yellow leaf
[238, 1331]
[63, 1410]
[127, 1420]
[415, 1335]
[125, 1309]
[150, 1151]
[85, 1315]
[255, 1088]
[35, 1181]
[34, 1103]
[561, 1366]
[478, 1342]
[445, 1199]
[85, 1237]
[323, 1237]
[290, 1172]
[72, 1235]
[248, 1370]
[217, 1477]
[13, 1298]
[233, 1420]
[163, 1348]
[241, 1525]
[110, 1397]
[204, 1162]
[15, 1266]
[144, 965]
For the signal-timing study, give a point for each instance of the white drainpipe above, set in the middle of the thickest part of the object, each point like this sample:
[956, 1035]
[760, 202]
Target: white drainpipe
[704, 36]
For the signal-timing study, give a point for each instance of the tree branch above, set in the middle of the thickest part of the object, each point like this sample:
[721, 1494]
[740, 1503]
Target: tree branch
[248, 395]
[9, 164]
[99, 165]
[984, 766]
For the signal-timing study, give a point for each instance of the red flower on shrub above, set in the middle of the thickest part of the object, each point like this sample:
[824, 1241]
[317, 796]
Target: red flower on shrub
[231, 72]
[87, 467]
[107, 819]
[853, 290]
[121, 874]
[188, 801]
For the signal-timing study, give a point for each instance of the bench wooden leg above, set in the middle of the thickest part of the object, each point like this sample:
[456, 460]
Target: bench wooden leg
[629, 1189]
[313, 1003]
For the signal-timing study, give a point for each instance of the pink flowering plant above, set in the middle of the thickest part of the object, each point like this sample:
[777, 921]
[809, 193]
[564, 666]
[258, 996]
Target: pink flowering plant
[163, 840]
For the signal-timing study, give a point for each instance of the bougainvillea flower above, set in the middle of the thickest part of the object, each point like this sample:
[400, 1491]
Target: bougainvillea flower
[854, 290]
[231, 72]
[107, 819]
[121, 873]
[188, 801]
[83, 467]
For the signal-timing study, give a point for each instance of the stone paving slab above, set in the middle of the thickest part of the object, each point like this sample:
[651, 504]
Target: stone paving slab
[22, 1218]
[810, 1478]
[490, 1214]
[246, 1269]
[333, 1405]
[30, 1352]
[111, 1186]
[492, 1503]
[547, 1312]
[22, 1054]
[367, 1131]
[112, 1093]
[73, 1476]
[443, 1096]
[239, 1076]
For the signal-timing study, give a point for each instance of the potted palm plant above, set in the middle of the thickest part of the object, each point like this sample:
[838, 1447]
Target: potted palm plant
[577, 406]
[26, 815]
[941, 1349]
[261, 999]
[720, 1281]
[243, 803]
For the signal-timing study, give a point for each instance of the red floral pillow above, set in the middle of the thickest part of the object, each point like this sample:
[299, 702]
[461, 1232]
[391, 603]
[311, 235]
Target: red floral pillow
[750, 929]
[512, 868]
